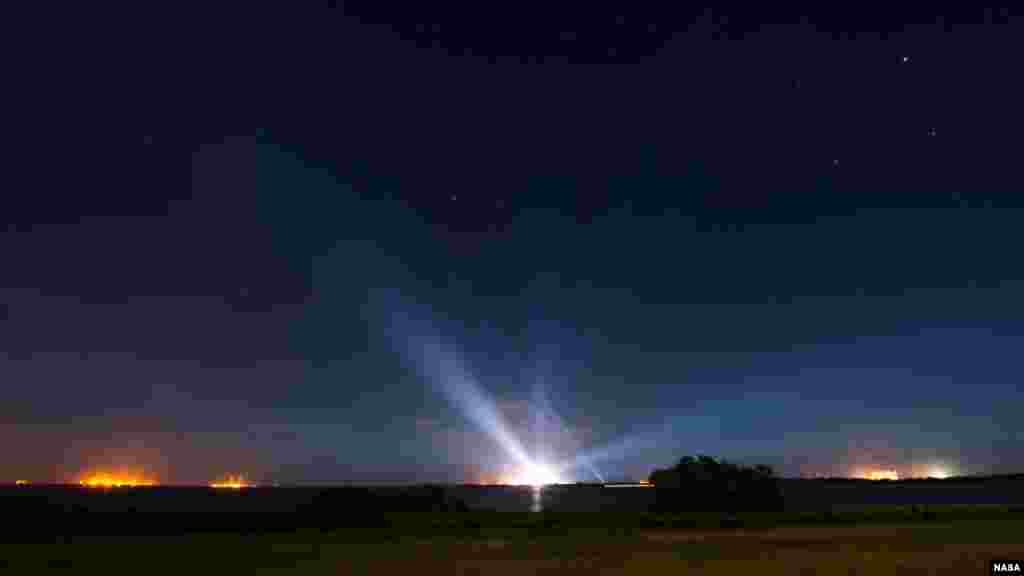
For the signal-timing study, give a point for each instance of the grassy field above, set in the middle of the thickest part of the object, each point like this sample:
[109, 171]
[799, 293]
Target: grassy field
[883, 541]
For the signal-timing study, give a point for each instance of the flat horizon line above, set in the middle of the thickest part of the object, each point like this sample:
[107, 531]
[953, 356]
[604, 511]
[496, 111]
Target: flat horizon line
[396, 484]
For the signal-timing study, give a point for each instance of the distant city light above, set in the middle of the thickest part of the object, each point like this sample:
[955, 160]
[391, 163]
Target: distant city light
[116, 479]
[640, 484]
[231, 482]
[21, 482]
[877, 474]
[939, 471]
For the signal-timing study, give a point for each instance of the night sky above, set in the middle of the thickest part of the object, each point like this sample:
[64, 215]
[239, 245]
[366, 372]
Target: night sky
[336, 247]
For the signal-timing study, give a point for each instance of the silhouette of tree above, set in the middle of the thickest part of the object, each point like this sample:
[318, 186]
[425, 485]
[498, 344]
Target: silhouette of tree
[703, 483]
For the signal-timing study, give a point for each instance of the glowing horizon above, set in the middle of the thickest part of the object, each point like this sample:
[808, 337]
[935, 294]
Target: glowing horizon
[879, 474]
[534, 474]
[116, 479]
[919, 471]
[231, 482]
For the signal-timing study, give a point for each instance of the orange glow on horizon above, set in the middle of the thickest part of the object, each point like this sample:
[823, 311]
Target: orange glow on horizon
[487, 480]
[21, 482]
[877, 474]
[231, 482]
[116, 479]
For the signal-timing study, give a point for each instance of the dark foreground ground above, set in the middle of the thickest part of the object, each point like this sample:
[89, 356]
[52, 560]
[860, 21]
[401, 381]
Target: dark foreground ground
[423, 531]
[506, 544]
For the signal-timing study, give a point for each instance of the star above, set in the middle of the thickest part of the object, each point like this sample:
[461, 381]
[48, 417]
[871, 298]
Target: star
[905, 59]
[835, 162]
[932, 132]
[453, 197]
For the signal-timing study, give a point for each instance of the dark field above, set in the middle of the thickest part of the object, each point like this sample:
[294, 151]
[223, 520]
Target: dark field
[956, 547]
[427, 530]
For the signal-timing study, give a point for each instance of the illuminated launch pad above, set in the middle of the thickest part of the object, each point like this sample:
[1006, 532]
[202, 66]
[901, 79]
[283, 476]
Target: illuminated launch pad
[533, 474]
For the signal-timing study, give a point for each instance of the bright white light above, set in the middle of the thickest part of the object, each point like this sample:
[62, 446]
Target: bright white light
[939, 471]
[534, 474]
[441, 364]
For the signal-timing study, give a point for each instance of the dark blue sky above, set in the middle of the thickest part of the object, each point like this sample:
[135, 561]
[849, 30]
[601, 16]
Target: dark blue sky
[786, 243]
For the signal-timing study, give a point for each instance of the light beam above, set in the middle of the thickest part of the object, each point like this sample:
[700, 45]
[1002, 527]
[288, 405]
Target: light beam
[440, 365]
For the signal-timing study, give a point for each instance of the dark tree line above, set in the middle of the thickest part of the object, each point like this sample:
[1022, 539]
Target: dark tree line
[703, 483]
